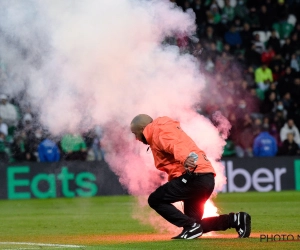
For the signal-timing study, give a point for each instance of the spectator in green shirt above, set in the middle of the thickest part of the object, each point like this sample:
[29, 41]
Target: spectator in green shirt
[228, 11]
[263, 77]
[213, 16]
[241, 10]
[73, 147]
[284, 29]
[252, 19]
[229, 149]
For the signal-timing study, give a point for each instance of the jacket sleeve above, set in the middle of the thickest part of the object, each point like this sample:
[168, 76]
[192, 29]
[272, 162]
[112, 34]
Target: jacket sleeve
[41, 153]
[173, 144]
[256, 147]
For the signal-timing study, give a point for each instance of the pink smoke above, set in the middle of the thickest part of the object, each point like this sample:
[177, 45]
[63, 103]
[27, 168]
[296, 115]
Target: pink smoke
[104, 64]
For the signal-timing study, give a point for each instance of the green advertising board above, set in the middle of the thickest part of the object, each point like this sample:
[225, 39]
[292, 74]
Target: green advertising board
[29, 180]
[64, 179]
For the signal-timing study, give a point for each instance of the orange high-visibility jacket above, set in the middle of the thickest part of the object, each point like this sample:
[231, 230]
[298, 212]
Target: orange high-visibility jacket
[171, 146]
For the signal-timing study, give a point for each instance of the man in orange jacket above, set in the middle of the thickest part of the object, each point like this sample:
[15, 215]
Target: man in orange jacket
[191, 179]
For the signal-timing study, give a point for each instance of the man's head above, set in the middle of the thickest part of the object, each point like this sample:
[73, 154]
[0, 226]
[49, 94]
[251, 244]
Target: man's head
[290, 123]
[246, 26]
[232, 29]
[290, 137]
[263, 9]
[264, 67]
[274, 34]
[138, 125]
[3, 99]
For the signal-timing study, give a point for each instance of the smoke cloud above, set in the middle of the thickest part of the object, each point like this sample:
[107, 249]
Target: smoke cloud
[79, 63]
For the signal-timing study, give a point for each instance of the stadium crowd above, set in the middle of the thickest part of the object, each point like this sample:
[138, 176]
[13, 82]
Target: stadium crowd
[249, 52]
[250, 57]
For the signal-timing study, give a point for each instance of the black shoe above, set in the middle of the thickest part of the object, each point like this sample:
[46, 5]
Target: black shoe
[243, 224]
[189, 233]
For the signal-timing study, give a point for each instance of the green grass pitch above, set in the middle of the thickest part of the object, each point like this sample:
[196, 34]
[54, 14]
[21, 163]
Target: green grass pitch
[107, 223]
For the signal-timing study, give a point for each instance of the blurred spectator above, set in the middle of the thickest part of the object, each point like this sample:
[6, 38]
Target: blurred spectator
[280, 107]
[289, 146]
[209, 35]
[213, 53]
[253, 19]
[241, 10]
[238, 25]
[287, 49]
[3, 127]
[259, 46]
[27, 125]
[228, 13]
[269, 104]
[199, 10]
[267, 56]
[233, 38]
[252, 56]
[265, 18]
[73, 147]
[245, 137]
[213, 15]
[283, 28]
[92, 140]
[257, 125]
[35, 137]
[264, 144]
[19, 148]
[281, 10]
[286, 81]
[265, 123]
[241, 109]
[274, 42]
[287, 101]
[229, 149]
[295, 89]
[277, 60]
[294, 63]
[227, 49]
[278, 120]
[48, 151]
[186, 5]
[263, 76]
[4, 158]
[209, 65]
[273, 88]
[8, 111]
[246, 35]
[222, 62]
[290, 127]
[248, 76]
[276, 73]
[295, 43]
[253, 100]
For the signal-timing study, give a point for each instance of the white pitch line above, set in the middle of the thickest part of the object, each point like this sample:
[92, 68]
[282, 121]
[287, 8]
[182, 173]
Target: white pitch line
[39, 244]
[26, 248]
[20, 248]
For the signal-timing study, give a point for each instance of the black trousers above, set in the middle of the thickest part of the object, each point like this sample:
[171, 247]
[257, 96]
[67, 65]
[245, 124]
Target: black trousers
[193, 190]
